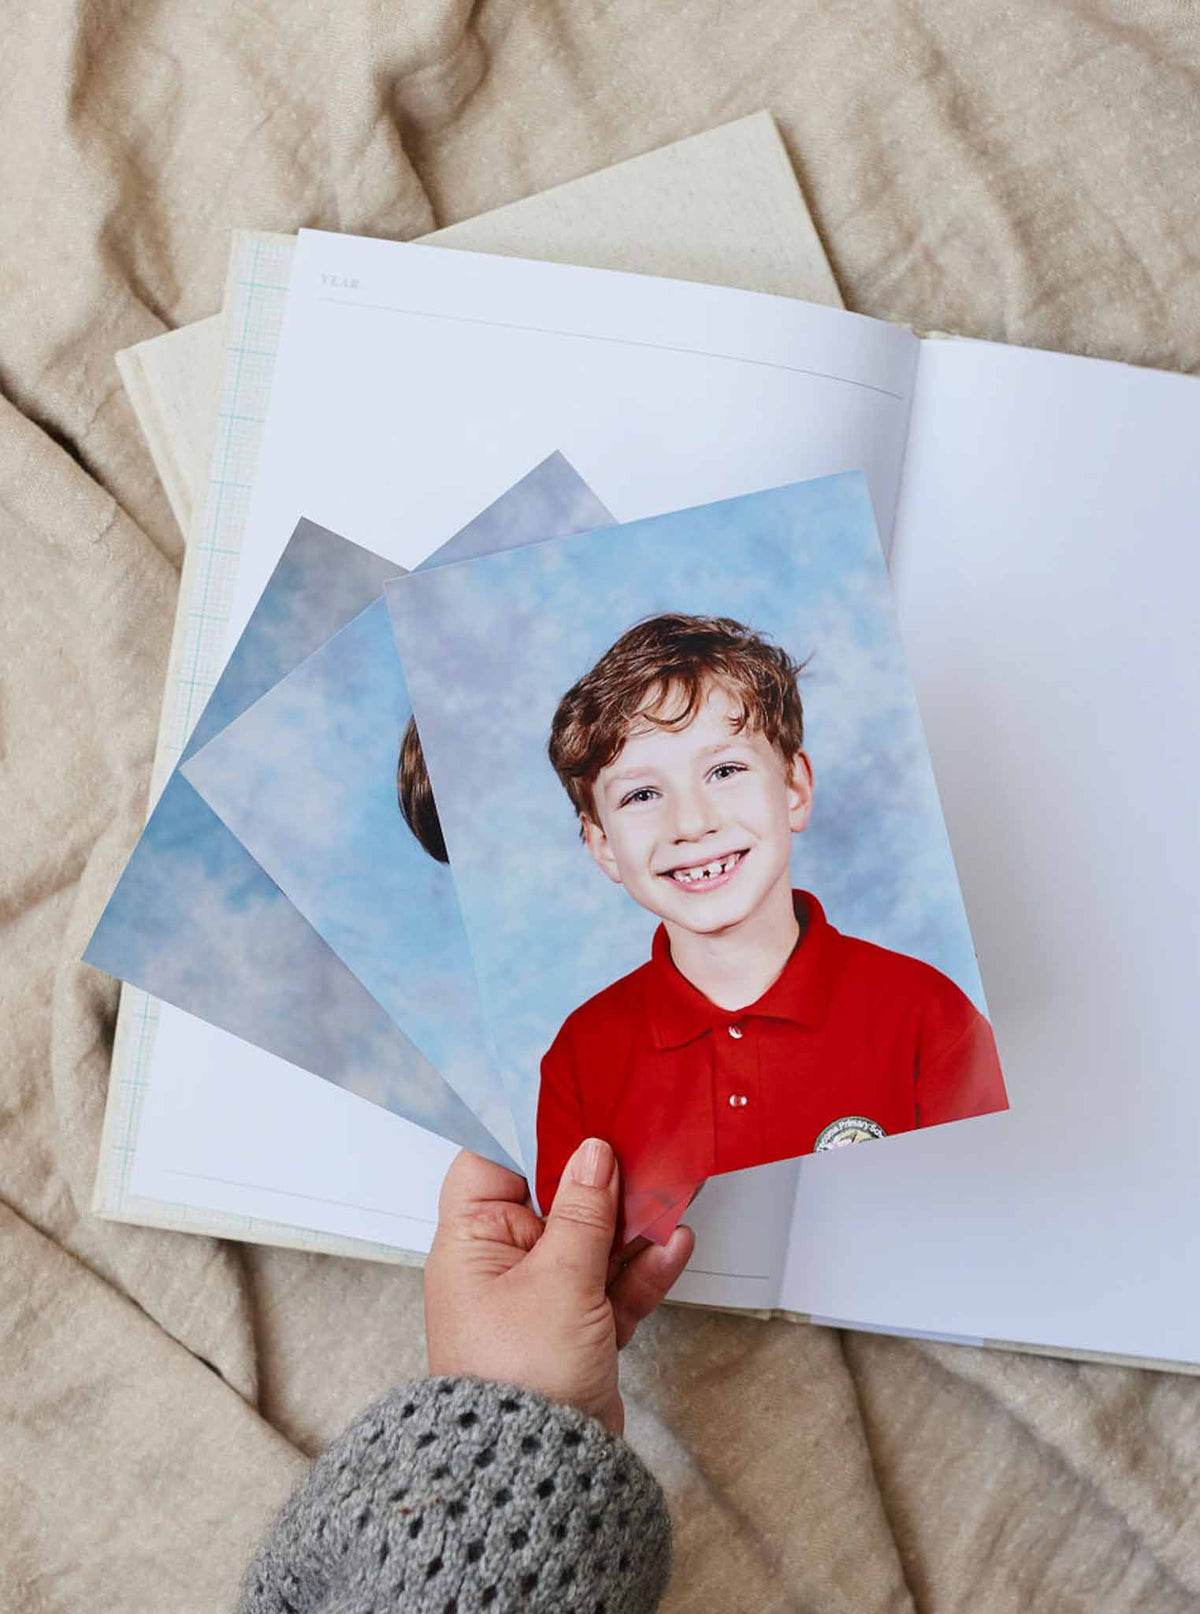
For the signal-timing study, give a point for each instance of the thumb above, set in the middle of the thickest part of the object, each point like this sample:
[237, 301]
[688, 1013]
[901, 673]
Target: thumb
[582, 1223]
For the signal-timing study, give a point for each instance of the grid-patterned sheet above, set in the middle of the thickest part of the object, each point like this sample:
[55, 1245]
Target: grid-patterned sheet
[255, 293]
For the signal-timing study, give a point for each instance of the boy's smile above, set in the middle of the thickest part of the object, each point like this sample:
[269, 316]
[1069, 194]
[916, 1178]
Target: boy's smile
[706, 876]
[696, 822]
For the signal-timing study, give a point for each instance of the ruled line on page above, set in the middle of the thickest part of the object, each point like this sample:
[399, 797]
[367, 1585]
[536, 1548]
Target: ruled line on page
[619, 341]
[293, 1193]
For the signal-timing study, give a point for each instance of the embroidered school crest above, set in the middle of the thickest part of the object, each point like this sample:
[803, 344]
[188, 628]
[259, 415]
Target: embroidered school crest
[850, 1129]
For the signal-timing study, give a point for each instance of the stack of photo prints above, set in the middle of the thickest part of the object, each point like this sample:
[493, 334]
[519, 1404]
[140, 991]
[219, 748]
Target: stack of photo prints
[579, 829]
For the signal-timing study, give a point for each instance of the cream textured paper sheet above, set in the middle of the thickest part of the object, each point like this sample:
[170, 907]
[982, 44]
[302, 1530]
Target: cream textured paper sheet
[722, 207]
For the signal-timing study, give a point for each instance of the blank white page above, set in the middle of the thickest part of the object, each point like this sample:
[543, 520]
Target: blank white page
[232, 1128]
[413, 385]
[1046, 562]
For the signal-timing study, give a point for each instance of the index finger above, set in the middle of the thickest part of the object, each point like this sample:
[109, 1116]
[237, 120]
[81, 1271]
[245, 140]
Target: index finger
[646, 1280]
[473, 1181]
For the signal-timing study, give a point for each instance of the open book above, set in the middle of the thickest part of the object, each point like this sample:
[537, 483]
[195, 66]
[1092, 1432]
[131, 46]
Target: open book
[1038, 513]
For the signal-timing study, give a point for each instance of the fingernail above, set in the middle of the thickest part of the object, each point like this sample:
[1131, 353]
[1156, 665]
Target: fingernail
[593, 1164]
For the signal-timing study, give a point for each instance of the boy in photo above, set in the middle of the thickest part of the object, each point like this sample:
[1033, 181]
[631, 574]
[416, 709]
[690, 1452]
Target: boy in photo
[756, 1031]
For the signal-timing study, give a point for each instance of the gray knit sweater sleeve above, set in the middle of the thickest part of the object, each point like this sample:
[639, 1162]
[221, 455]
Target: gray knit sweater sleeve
[456, 1495]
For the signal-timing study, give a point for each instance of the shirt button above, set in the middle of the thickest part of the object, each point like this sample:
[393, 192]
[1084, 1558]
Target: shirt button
[735, 1031]
[738, 1101]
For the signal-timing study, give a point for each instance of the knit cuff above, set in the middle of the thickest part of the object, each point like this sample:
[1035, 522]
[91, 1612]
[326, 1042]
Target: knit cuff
[455, 1495]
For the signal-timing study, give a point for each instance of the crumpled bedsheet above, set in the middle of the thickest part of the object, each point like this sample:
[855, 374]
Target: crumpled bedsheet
[1026, 173]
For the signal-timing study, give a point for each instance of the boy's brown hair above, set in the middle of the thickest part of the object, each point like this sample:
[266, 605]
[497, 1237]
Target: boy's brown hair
[415, 795]
[662, 657]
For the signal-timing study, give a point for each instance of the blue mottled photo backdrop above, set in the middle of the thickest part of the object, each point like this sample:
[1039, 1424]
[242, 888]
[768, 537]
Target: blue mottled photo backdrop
[489, 647]
[197, 922]
[305, 778]
[200, 923]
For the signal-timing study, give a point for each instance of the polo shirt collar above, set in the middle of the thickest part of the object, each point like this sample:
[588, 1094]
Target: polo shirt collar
[678, 1013]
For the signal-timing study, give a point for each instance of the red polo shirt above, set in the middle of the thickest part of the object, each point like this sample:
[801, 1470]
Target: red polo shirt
[849, 1033]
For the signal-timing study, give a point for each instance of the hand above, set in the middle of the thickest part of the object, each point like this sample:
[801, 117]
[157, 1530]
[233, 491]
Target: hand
[542, 1306]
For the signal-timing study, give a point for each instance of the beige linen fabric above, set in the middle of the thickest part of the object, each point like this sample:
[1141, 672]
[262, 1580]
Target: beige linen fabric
[1026, 172]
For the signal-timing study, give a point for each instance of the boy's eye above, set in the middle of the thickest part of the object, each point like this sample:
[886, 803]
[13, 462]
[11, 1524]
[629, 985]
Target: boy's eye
[725, 770]
[642, 793]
